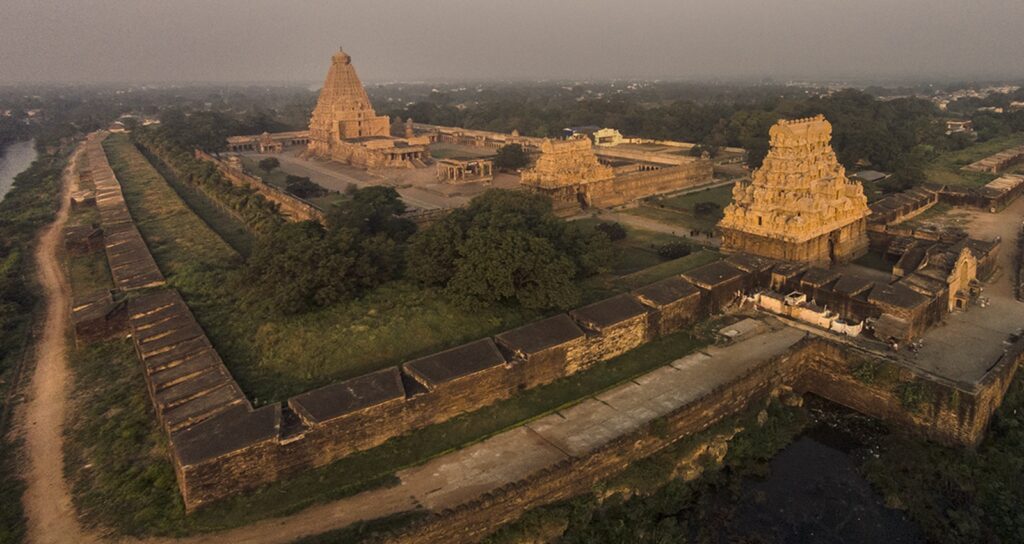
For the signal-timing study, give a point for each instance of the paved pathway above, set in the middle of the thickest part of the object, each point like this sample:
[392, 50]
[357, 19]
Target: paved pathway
[968, 343]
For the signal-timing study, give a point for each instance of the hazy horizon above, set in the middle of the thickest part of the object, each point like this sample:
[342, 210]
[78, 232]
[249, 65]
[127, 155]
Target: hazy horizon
[457, 40]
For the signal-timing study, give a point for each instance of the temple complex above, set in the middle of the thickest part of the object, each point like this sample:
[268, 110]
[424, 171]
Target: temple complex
[345, 128]
[575, 177]
[799, 205]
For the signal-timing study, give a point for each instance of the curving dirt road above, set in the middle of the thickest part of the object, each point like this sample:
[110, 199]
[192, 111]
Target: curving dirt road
[51, 516]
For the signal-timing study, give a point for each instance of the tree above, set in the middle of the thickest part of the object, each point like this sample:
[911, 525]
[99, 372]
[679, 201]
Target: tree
[372, 210]
[269, 164]
[614, 231]
[507, 247]
[297, 268]
[303, 187]
[511, 157]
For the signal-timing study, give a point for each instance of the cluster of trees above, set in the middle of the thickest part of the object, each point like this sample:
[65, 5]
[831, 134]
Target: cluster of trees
[508, 247]
[302, 266]
[511, 157]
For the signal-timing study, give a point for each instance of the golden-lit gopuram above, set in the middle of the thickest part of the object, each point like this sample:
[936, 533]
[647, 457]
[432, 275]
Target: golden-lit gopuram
[345, 128]
[799, 205]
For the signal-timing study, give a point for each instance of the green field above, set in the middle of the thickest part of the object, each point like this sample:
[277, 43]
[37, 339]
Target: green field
[277, 176]
[226, 224]
[453, 151]
[945, 168]
[679, 210]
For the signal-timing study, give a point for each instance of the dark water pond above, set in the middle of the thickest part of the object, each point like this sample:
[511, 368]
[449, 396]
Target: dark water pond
[814, 492]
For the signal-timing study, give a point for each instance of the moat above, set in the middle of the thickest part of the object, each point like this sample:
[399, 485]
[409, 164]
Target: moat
[13, 161]
[816, 491]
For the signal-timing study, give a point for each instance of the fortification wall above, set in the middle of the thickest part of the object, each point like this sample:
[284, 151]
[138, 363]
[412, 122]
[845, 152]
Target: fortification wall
[471, 521]
[291, 206]
[625, 188]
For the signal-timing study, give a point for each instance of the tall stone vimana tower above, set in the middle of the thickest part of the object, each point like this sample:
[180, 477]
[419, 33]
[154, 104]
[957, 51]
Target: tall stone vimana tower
[799, 205]
[343, 110]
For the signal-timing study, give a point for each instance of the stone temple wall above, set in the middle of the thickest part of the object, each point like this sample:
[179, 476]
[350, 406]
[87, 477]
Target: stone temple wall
[846, 244]
[626, 188]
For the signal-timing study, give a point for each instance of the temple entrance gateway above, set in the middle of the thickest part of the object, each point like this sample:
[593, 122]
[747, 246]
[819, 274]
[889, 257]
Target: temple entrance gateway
[799, 205]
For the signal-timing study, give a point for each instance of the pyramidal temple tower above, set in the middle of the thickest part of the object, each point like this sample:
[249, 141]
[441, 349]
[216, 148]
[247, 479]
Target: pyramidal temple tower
[343, 110]
[345, 128]
[799, 205]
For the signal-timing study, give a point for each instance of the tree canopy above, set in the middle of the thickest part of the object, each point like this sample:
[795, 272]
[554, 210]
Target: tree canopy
[303, 266]
[511, 157]
[507, 247]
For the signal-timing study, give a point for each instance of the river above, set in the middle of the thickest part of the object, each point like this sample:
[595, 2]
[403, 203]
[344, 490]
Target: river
[15, 160]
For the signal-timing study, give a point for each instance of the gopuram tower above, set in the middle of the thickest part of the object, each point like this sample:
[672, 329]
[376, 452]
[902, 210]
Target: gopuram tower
[343, 110]
[799, 205]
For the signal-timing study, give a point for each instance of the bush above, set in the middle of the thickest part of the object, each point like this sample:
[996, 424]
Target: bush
[269, 164]
[674, 250]
[614, 231]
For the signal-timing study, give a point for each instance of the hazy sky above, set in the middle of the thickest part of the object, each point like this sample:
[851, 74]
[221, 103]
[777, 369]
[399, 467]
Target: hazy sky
[410, 40]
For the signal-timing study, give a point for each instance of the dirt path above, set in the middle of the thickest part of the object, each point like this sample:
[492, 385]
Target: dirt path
[51, 516]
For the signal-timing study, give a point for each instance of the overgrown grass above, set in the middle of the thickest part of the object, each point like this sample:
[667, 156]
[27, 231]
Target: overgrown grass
[115, 456]
[226, 224]
[29, 205]
[959, 495]
[946, 167]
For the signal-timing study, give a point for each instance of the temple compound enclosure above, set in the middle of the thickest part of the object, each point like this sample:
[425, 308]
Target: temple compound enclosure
[345, 128]
[575, 177]
[799, 206]
[221, 444]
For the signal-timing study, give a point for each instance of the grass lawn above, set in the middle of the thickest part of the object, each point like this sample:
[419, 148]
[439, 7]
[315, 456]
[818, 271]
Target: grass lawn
[277, 176]
[449, 151]
[227, 225]
[679, 210]
[637, 251]
[946, 167]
